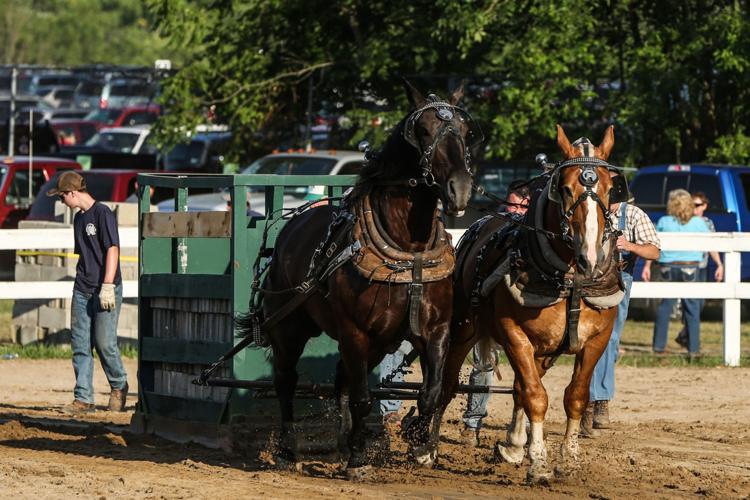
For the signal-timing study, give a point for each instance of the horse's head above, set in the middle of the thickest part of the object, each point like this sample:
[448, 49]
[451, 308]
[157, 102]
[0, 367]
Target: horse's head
[580, 185]
[445, 136]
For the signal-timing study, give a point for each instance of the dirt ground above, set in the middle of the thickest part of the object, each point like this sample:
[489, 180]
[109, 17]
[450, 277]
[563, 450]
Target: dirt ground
[678, 432]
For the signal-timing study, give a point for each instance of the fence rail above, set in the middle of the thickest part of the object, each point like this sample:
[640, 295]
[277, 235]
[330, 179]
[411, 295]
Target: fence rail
[731, 291]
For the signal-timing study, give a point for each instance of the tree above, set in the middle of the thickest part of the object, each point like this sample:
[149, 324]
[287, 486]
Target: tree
[672, 75]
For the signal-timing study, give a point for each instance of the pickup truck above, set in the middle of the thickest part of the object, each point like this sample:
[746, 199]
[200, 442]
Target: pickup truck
[726, 186]
[14, 184]
[103, 185]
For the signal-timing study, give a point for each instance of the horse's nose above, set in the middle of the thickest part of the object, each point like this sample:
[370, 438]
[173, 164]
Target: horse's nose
[458, 189]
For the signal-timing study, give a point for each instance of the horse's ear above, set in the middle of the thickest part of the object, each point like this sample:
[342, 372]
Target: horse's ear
[457, 94]
[562, 141]
[609, 140]
[415, 96]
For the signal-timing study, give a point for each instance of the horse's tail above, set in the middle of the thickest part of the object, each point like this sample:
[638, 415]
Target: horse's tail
[243, 324]
[488, 354]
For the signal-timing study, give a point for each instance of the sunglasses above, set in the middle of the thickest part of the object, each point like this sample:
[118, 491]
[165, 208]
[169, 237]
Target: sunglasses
[62, 195]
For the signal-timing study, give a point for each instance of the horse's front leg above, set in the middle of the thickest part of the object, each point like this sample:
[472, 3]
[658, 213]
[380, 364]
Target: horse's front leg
[533, 396]
[354, 348]
[577, 397]
[424, 451]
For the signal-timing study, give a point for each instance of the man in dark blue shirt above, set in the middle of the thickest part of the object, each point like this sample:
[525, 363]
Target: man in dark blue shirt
[97, 295]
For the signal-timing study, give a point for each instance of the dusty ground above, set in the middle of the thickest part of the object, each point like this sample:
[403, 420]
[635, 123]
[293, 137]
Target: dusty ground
[680, 432]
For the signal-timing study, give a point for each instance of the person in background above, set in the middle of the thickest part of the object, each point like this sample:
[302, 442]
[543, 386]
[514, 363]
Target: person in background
[638, 239]
[97, 295]
[701, 203]
[680, 266]
[391, 362]
[518, 199]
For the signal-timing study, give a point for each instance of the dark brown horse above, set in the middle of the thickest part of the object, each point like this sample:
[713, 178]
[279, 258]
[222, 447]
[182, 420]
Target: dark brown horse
[574, 206]
[426, 159]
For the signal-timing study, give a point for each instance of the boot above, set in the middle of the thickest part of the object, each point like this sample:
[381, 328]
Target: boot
[470, 436]
[587, 423]
[117, 399]
[601, 414]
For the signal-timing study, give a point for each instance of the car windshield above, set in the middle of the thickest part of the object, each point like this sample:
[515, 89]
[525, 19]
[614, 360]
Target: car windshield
[291, 165]
[107, 116]
[114, 141]
[129, 89]
[185, 156]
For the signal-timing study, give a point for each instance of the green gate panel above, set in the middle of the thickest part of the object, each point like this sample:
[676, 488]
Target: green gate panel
[182, 351]
[219, 268]
[197, 286]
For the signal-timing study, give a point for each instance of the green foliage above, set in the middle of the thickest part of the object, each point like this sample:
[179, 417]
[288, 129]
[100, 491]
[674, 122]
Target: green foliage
[733, 148]
[74, 32]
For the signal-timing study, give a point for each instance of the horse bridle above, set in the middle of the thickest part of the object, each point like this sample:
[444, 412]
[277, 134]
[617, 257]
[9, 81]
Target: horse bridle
[448, 114]
[588, 178]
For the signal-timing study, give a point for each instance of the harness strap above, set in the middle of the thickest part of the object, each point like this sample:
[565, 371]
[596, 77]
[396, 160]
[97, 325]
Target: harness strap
[574, 314]
[416, 290]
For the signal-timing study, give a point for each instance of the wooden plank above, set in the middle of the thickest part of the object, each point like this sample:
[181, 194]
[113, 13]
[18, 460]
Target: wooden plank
[173, 350]
[187, 225]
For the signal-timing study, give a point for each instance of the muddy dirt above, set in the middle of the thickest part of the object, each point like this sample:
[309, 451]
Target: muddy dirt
[677, 432]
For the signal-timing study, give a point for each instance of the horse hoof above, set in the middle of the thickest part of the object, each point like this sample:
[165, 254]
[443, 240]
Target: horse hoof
[358, 474]
[509, 454]
[538, 475]
[566, 469]
[426, 458]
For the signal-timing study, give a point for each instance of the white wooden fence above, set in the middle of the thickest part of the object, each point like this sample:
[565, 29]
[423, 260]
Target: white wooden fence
[731, 291]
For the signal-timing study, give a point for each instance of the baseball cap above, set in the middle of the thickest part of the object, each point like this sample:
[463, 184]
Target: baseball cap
[67, 182]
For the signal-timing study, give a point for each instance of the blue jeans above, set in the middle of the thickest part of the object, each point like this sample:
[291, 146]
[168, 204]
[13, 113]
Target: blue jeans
[391, 362]
[92, 327]
[691, 309]
[602, 386]
[476, 404]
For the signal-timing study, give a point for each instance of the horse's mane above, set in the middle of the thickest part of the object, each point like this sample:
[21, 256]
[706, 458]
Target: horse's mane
[392, 161]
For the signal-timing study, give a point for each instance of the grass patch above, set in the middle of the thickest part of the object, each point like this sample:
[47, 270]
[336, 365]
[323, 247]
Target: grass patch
[51, 351]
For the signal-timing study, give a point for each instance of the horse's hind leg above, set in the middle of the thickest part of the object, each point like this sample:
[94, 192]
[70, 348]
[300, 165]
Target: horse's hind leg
[341, 389]
[577, 397]
[288, 343]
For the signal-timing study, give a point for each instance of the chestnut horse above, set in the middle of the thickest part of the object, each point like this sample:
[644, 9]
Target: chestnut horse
[425, 159]
[574, 220]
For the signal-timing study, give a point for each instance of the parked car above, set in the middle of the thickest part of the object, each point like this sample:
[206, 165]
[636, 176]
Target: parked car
[46, 113]
[88, 94]
[125, 117]
[122, 140]
[53, 79]
[23, 102]
[57, 97]
[103, 185]
[312, 163]
[126, 92]
[495, 177]
[204, 153]
[726, 186]
[14, 184]
[72, 132]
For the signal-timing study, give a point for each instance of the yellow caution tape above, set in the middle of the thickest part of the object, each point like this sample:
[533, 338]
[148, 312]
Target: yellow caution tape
[69, 255]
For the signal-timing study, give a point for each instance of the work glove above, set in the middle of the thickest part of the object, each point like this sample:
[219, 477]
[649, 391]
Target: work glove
[107, 296]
